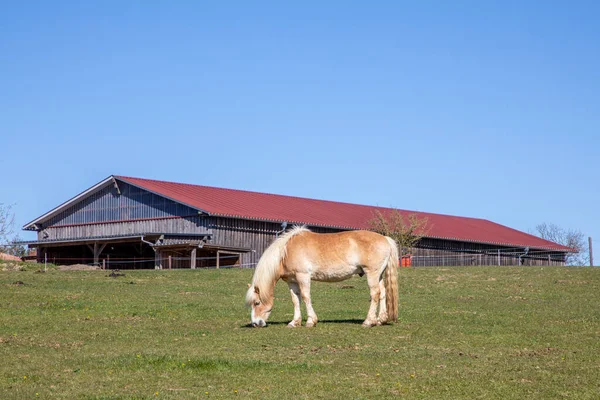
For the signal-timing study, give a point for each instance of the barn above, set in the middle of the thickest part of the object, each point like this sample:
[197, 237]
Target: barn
[134, 223]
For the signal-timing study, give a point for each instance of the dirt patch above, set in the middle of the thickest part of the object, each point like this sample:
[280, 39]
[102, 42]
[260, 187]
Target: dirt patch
[78, 267]
[536, 353]
[114, 274]
[11, 266]
[9, 257]
[572, 282]
[461, 354]
[19, 283]
[517, 298]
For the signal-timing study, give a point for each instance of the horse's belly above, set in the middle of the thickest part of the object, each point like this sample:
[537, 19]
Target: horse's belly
[334, 274]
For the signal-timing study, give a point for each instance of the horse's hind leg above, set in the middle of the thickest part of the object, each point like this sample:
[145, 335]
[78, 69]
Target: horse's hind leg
[295, 292]
[304, 283]
[373, 280]
[383, 316]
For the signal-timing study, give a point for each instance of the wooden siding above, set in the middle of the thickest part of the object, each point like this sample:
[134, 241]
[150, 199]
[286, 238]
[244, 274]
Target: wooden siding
[186, 225]
[437, 252]
[108, 205]
[255, 235]
[133, 211]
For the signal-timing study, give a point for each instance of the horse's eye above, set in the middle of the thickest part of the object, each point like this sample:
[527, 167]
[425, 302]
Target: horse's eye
[257, 303]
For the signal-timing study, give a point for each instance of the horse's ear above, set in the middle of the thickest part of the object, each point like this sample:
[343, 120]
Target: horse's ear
[256, 290]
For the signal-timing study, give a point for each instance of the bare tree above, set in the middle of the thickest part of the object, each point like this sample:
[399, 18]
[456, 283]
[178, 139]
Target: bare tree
[7, 240]
[7, 221]
[406, 231]
[572, 238]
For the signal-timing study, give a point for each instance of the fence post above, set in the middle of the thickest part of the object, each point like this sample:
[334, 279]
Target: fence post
[193, 259]
[157, 259]
[170, 265]
[104, 263]
[591, 254]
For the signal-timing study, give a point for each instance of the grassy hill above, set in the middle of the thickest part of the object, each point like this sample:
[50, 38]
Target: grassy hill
[463, 333]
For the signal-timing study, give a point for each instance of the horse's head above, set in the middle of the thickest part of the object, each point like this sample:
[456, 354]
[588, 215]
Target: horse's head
[260, 306]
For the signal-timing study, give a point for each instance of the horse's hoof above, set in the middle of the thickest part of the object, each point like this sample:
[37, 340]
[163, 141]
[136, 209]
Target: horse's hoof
[311, 324]
[367, 325]
[292, 325]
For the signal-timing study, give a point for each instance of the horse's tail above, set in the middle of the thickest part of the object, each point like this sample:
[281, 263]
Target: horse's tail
[391, 282]
[266, 272]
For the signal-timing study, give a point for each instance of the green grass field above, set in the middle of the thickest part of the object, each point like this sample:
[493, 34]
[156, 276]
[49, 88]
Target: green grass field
[464, 333]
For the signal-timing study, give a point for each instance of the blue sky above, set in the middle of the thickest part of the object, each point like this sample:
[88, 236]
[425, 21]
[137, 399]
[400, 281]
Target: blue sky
[480, 109]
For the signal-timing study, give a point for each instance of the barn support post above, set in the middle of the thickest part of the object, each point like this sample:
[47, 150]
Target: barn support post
[170, 262]
[218, 258]
[96, 251]
[498, 257]
[193, 259]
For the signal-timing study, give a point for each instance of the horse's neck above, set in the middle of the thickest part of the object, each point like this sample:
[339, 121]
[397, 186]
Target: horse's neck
[266, 285]
[269, 289]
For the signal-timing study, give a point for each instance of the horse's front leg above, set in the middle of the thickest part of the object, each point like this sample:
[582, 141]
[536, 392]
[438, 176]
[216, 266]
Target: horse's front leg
[304, 284]
[295, 292]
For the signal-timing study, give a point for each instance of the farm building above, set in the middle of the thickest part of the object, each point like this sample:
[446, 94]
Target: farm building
[123, 222]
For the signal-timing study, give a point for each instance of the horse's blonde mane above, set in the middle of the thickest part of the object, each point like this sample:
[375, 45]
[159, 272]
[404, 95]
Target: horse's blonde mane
[268, 265]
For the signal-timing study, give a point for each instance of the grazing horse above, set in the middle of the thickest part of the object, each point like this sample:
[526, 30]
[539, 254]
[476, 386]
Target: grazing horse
[299, 256]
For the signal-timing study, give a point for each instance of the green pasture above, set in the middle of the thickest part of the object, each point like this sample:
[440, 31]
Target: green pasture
[463, 333]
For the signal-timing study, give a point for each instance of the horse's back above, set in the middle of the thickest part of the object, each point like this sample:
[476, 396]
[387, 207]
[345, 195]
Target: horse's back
[364, 241]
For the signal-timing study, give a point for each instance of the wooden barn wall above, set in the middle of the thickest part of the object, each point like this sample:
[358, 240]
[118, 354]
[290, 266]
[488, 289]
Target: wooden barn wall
[255, 235]
[108, 205]
[134, 211]
[194, 224]
[437, 252]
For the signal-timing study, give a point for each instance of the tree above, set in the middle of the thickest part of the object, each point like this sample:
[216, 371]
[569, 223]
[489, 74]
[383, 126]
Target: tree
[7, 220]
[572, 238]
[7, 240]
[406, 231]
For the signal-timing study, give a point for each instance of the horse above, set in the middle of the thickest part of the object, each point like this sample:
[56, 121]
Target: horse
[299, 256]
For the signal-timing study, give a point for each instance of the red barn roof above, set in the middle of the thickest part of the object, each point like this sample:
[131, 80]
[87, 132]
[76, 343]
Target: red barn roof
[279, 208]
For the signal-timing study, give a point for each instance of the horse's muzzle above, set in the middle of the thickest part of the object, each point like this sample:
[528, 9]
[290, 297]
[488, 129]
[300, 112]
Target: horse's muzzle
[259, 324]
